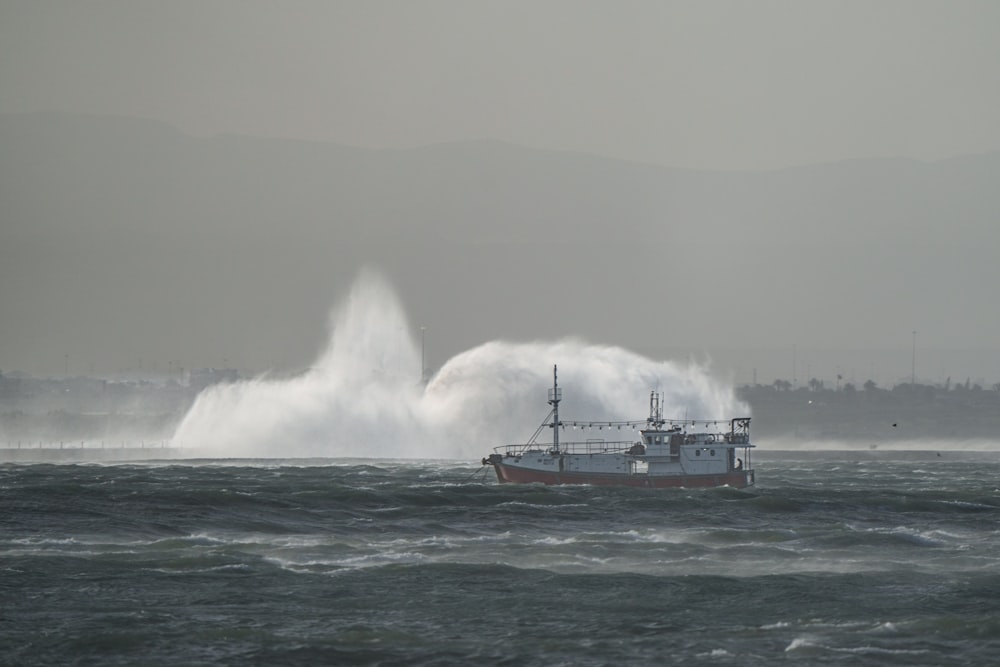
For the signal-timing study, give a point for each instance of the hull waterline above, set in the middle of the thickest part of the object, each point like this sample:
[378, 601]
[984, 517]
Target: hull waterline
[513, 475]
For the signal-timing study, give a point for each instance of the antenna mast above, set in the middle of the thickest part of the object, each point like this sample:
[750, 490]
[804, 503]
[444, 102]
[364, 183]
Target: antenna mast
[655, 410]
[555, 395]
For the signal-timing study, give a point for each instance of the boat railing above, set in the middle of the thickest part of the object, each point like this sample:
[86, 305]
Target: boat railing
[586, 447]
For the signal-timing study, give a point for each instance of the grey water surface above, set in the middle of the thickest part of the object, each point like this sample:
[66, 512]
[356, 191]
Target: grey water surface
[828, 560]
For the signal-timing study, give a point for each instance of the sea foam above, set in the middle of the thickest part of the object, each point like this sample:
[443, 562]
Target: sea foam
[362, 397]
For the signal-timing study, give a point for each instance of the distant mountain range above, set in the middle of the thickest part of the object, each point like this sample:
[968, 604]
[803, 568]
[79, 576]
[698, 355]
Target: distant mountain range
[124, 238]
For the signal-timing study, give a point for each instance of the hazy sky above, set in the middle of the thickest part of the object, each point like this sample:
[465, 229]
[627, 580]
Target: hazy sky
[120, 241]
[745, 85]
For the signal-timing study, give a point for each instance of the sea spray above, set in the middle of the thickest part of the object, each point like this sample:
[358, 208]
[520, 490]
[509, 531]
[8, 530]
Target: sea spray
[363, 398]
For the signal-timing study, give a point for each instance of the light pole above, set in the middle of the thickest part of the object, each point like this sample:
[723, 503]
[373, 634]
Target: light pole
[795, 354]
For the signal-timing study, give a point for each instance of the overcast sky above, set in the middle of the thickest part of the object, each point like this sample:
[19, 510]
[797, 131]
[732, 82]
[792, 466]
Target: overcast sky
[718, 85]
[877, 250]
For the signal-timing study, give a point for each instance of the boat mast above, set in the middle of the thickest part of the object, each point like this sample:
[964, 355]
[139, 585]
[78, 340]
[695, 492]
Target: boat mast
[555, 395]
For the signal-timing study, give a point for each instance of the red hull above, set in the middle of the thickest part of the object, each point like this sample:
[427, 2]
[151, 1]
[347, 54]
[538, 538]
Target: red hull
[514, 475]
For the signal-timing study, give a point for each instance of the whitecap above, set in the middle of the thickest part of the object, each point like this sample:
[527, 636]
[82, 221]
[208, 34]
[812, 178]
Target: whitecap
[780, 625]
[800, 643]
[716, 653]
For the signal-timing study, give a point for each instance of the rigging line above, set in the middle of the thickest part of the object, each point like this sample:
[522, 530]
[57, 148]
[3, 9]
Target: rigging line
[541, 427]
[481, 468]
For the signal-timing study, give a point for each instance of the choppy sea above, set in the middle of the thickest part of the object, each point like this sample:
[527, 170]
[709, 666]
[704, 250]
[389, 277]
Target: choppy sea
[827, 560]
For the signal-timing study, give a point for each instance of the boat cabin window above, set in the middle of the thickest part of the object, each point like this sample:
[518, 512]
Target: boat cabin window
[658, 441]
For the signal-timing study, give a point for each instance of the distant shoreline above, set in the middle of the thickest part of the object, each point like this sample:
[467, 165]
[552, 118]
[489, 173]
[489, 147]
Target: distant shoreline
[179, 454]
[88, 454]
[940, 454]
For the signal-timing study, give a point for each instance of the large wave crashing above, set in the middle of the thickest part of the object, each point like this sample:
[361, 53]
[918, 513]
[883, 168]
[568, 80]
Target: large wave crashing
[363, 398]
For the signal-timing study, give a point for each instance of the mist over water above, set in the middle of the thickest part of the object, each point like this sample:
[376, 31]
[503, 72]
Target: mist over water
[362, 397]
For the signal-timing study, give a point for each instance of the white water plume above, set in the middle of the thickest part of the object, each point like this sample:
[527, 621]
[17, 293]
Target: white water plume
[363, 398]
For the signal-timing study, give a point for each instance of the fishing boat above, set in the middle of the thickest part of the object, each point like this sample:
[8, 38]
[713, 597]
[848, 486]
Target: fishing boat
[668, 453]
